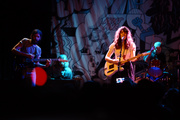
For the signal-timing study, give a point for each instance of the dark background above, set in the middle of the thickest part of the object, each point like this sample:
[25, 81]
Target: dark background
[18, 19]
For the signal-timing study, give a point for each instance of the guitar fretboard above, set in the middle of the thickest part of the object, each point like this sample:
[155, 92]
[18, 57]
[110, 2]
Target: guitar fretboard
[52, 59]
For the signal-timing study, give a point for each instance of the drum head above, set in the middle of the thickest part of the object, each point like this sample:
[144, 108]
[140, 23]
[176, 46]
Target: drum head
[155, 72]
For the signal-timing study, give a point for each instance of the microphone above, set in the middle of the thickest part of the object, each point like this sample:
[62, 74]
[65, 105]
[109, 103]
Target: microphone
[122, 38]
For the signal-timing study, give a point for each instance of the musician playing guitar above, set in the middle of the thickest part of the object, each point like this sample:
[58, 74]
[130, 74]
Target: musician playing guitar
[27, 48]
[123, 48]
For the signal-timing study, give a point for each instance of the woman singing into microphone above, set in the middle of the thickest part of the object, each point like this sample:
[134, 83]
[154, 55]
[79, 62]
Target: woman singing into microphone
[124, 48]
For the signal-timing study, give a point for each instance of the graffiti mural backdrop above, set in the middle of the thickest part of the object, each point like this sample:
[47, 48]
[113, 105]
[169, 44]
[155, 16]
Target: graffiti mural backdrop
[83, 30]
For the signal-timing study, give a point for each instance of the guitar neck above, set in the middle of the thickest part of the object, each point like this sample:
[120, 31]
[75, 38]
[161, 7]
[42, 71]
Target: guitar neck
[52, 59]
[143, 54]
[130, 59]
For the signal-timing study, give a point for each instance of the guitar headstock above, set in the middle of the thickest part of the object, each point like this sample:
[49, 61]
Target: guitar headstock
[145, 53]
[62, 60]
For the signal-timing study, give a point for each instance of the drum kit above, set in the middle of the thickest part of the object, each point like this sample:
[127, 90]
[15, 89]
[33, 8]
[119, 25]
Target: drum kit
[156, 73]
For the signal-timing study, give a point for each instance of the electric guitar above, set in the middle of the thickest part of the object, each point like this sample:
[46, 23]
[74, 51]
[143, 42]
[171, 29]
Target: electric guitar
[22, 62]
[111, 68]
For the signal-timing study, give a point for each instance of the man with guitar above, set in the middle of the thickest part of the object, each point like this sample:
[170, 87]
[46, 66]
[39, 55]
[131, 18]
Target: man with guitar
[124, 49]
[27, 49]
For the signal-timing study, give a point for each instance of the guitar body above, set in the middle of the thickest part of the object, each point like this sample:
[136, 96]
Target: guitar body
[110, 69]
[22, 62]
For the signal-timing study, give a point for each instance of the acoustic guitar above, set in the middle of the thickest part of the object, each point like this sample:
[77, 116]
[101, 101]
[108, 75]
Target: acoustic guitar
[111, 68]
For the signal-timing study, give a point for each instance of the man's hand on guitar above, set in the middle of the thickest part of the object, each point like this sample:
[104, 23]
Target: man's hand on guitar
[48, 62]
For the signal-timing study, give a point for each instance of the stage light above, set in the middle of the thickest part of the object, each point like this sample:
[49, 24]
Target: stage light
[39, 76]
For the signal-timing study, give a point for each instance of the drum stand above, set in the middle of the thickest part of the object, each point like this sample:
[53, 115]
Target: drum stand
[178, 66]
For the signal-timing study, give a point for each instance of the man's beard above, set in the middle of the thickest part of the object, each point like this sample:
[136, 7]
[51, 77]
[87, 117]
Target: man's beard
[35, 42]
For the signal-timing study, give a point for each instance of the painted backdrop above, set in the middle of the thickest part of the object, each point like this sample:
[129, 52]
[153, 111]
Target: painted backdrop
[84, 29]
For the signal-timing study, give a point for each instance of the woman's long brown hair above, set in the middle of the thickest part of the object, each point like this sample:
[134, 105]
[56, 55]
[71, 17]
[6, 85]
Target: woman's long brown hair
[118, 45]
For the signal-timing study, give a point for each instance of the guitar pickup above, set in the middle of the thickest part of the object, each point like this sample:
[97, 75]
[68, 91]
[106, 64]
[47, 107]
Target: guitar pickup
[111, 66]
[110, 71]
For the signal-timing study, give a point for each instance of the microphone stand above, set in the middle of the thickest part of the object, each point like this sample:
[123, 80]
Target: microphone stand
[119, 59]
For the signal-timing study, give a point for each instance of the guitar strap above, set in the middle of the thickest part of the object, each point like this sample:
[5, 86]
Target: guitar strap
[120, 55]
[32, 64]
[35, 53]
[122, 51]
